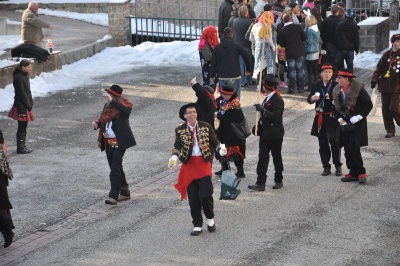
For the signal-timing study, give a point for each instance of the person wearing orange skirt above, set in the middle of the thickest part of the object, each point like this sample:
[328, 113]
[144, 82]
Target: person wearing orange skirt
[22, 107]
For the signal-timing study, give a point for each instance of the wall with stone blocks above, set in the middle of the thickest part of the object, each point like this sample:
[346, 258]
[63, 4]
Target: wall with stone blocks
[374, 34]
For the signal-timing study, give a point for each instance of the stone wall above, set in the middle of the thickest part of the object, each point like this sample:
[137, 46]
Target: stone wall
[374, 34]
[118, 24]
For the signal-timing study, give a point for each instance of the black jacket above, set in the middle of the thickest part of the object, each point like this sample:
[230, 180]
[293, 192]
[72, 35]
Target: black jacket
[240, 27]
[23, 97]
[224, 13]
[272, 118]
[121, 127]
[347, 37]
[225, 59]
[329, 124]
[278, 7]
[204, 101]
[292, 38]
[329, 28]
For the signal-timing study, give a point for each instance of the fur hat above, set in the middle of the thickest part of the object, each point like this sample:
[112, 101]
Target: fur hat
[395, 37]
[186, 106]
[115, 90]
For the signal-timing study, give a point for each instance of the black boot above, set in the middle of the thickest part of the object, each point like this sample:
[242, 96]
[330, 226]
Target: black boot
[8, 237]
[327, 171]
[240, 171]
[21, 148]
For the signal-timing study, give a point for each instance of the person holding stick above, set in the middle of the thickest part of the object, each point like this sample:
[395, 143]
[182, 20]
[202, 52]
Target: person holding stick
[271, 131]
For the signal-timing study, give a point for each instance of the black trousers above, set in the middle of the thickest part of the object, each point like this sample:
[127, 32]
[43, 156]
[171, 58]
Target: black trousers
[390, 111]
[265, 147]
[22, 125]
[117, 174]
[200, 196]
[354, 160]
[328, 147]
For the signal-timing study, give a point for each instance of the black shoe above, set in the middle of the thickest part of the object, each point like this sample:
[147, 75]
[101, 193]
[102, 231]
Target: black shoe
[212, 228]
[278, 185]
[338, 171]
[253, 82]
[23, 150]
[349, 178]
[389, 135]
[8, 238]
[111, 201]
[240, 174]
[195, 233]
[257, 187]
[290, 91]
[327, 171]
[219, 173]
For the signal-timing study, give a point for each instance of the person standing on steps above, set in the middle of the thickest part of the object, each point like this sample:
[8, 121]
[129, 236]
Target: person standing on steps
[23, 102]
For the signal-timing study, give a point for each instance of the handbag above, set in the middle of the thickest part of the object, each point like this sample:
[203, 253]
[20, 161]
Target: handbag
[229, 185]
[242, 129]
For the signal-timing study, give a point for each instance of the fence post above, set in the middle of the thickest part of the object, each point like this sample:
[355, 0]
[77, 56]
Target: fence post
[118, 25]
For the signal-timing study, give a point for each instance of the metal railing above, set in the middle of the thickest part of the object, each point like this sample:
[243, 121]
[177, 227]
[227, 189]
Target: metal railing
[157, 29]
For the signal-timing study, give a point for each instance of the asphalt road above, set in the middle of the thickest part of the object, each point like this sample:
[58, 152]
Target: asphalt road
[312, 220]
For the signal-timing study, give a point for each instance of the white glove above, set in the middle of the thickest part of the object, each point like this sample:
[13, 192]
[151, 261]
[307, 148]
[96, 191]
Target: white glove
[355, 119]
[314, 98]
[172, 161]
[193, 81]
[223, 151]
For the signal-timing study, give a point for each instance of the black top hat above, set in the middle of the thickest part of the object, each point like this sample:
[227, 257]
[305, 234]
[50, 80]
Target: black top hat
[186, 106]
[269, 82]
[345, 73]
[226, 89]
[115, 90]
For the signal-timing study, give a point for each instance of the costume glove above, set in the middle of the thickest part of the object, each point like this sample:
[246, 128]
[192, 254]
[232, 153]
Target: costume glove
[373, 84]
[223, 151]
[259, 108]
[173, 161]
[355, 119]
[340, 120]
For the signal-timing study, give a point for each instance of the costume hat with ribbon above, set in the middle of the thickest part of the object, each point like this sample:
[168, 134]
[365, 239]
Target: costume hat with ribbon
[270, 82]
[326, 66]
[186, 106]
[115, 90]
[226, 89]
[345, 73]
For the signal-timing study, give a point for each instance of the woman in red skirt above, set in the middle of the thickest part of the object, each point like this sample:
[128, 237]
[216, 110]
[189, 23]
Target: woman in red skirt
[22, 108]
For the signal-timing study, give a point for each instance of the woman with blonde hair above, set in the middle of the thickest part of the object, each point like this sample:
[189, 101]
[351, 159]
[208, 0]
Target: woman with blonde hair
[312, 47]
[208, 41]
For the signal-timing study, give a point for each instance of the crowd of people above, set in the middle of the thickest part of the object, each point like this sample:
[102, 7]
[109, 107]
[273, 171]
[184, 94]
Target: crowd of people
[341, 104]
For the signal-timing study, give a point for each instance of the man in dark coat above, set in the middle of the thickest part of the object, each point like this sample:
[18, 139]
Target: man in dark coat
[280, 5]
[387, 75]
[325, 127]
[225, 62]
[195, 142]
[115, 136]
[347, 40]
[271, 131]
[352, 104]
[224, 14]
[292, 37]
[6, 223]
[328, 34]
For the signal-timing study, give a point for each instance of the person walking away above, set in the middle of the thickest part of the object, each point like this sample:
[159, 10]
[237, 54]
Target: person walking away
[6, 223]
[312, 48]
[115, 136]
[325, 127]
[328, 35]
[208, 41]
[271, 132]
[387, 76]
[352, 104]
[195, 142]
[347, 40]
[229, 110]
[31, 27]
[23, 102]
[225, 62]
[224, 14]
[240, 27]
[292, 37]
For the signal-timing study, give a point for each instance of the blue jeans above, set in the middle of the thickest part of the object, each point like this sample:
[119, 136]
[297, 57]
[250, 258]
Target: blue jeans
[268, 62]
[295, 73]
[347, 56]
[245, 79]
[234, 83]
